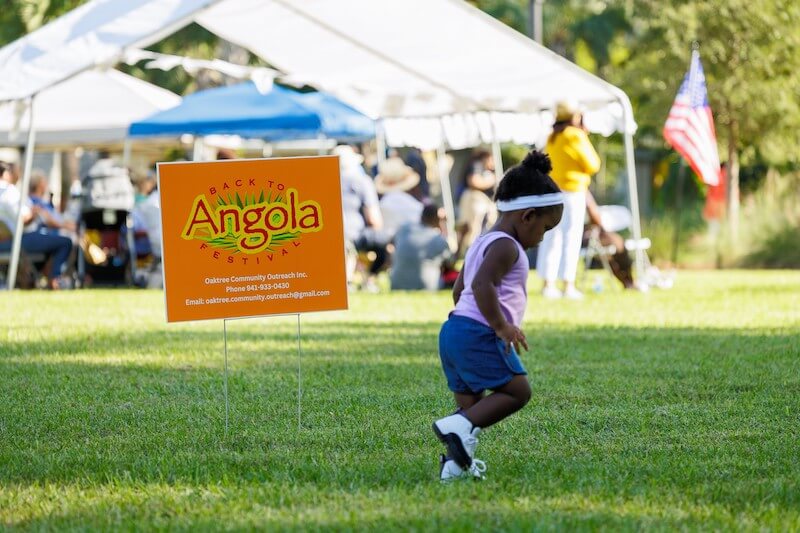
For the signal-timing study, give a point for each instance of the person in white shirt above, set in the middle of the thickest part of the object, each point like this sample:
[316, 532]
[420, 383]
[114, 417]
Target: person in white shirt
[397, 182]
[56, 247]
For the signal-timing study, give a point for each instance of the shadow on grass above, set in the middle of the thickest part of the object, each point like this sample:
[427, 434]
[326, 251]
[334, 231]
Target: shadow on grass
[338, 338]
[370, 511]
[708, 414]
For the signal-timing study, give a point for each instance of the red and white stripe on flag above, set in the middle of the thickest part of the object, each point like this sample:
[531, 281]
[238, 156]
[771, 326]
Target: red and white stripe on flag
[690, 125]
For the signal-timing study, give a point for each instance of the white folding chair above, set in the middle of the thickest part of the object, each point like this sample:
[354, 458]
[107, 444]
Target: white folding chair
[617, 218]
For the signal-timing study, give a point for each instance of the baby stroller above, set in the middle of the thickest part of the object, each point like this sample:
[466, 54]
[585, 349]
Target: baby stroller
[105, 232]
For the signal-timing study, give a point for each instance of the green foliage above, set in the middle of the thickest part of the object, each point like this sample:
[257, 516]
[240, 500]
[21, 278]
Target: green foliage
[511, 13]
[780, 248]
[749, 52]
[771, 236]
[603, 34]
[12, 26]
[672, 410]
[18, 17]
[512, 154]
[691, 247]
[192, 41]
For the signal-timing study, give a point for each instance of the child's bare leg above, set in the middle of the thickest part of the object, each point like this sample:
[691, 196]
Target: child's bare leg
[503, 402]
[464, 400]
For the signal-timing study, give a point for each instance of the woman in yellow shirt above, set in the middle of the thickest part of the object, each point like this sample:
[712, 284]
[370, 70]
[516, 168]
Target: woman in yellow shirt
[574, 161]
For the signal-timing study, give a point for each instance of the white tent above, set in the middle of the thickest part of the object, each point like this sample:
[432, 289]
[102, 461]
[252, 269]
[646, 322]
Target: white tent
[390, 59]
[93, 107]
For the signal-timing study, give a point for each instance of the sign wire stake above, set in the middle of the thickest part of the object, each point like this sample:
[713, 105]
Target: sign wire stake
[299, 383]
[225, 380]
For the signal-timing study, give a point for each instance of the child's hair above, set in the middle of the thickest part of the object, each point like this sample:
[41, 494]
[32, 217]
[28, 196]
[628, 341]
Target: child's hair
[527, 178]
[430, 213]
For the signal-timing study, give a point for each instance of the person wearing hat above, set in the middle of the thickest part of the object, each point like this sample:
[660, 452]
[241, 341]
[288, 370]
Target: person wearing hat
[363, 222]
[574, 162]
[397, 182]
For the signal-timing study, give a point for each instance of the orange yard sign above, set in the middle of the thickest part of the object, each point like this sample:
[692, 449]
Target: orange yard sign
[252, 237]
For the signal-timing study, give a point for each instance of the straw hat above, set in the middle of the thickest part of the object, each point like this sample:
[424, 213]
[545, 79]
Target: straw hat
[565, 110]
[395, 175]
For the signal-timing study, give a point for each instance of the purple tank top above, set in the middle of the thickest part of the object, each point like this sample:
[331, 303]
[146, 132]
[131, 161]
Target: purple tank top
[512, 291]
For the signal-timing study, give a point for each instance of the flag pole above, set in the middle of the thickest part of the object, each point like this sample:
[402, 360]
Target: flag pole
[679, 190]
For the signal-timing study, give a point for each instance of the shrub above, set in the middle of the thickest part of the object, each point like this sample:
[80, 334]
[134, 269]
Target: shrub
[769, 235]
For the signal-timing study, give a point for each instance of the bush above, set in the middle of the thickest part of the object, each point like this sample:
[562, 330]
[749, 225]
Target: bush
[770, 227]
[660, 229]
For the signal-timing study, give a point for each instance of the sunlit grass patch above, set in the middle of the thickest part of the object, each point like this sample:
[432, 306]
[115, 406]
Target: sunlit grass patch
[669, 410]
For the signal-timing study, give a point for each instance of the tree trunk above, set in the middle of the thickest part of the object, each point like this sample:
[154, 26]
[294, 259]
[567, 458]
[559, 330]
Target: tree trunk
[733, 184]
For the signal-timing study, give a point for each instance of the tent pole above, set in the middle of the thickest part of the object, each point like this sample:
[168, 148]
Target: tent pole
[497, 153]
[23, 197]
[447, 194]
[126, 152]
[197, 149]
[129, 234]
[633, 193]
[380, 142]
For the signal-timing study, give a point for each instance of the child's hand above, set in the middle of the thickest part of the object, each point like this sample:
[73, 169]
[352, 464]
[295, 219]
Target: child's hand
[511, 334]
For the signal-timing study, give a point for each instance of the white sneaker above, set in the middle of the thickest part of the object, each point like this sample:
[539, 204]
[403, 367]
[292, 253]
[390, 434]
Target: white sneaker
[460, 437]
[449, 469]
[551, 293]
[471, 442]
[573, 294]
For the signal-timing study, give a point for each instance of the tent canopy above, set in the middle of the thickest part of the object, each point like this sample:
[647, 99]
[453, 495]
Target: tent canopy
[389, 59]
[93, 107]
[281, 114]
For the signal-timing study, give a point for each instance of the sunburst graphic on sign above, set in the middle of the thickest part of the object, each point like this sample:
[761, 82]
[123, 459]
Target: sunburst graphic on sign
[252, 224]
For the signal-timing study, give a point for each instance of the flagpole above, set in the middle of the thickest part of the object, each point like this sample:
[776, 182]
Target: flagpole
[681, 178]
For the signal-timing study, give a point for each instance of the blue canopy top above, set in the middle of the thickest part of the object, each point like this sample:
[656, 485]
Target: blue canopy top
[281, 114]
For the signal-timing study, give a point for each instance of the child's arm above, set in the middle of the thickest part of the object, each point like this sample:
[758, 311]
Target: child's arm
[500, 257]
[458, 286]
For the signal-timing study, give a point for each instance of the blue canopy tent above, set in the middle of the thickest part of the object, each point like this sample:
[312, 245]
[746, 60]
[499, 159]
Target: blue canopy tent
[279, 115]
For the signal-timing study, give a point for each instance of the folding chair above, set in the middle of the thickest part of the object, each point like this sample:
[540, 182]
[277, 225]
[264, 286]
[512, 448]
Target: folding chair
[617, 218]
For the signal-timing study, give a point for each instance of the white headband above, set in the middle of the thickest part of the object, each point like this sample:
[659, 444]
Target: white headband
[534, 200]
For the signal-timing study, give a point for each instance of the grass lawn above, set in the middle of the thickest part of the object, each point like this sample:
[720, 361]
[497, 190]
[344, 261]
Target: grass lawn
[676, 409]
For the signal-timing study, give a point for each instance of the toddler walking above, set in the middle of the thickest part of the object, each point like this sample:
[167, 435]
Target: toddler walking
[480, 341]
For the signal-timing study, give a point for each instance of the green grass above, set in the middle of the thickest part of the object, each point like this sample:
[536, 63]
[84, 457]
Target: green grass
[669, 410]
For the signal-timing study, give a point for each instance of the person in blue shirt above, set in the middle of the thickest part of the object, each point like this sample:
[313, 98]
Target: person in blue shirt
[363, 222]
[420, 252]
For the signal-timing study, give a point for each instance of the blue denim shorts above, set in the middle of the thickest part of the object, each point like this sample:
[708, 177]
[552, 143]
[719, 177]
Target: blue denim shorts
[474, 358]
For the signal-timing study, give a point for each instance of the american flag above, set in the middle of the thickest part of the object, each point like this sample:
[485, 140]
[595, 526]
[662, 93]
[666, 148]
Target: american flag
[690, 125]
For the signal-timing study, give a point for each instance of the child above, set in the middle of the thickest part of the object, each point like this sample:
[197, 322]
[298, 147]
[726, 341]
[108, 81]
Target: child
[478, 343]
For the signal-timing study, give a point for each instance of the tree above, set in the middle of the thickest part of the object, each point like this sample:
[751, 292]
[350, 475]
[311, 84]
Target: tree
[749, 53]
[19, 17]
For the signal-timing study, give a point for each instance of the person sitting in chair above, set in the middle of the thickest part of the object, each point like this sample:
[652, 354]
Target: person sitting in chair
[421, 252]
[56, 247]
[619, 262]
[363, 222]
